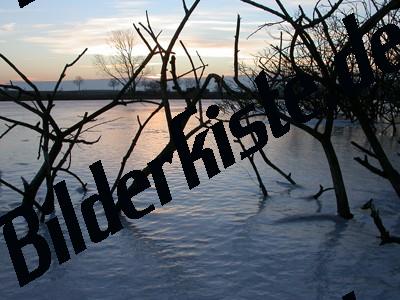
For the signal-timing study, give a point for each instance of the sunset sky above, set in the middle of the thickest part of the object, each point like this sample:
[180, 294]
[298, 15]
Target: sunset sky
[46, 34]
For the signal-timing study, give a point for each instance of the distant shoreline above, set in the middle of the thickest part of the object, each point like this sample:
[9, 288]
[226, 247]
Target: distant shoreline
[105, 95]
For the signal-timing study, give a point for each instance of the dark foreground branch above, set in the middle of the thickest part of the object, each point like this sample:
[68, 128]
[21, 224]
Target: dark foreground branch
[385, 237]
[366, 164]
[253, 164]
[321, 191]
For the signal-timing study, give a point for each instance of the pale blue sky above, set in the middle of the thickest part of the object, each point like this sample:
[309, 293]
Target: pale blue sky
[46, 34]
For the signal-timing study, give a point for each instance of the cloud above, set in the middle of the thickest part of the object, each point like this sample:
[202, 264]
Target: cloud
[9, 27]
[73, 38]
[210, 32]
[41, 26]
[210, 38]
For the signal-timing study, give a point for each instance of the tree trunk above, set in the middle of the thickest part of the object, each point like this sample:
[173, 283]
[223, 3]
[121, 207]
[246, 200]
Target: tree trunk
[342, 202]
[390, 172]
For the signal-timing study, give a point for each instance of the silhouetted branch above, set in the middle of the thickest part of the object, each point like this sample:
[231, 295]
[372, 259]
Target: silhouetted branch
[133, 145]
[321, 191]
[84, 185]
[385, 236]
[63, 73]
[12, 187]
[8, 130]
[366, 151]
[288, 177]
[365, 163]
[185, 6]
[254, 166]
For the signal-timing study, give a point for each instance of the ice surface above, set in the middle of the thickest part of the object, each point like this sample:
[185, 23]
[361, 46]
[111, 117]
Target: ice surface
[221, 240]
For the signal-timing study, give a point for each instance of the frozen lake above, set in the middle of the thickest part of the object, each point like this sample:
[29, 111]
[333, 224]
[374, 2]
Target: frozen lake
[221, 240]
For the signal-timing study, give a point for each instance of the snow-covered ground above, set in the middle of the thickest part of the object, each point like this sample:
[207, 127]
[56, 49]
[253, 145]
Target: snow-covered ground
[221, 240]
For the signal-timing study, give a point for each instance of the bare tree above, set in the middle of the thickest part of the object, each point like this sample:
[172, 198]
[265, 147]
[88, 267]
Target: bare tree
[301, 58]
[123, 64]
[78, 81]
[307, 50]
[113, 83]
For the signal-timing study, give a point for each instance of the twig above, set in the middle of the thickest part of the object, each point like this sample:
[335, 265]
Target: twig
[385, 237]
[321, 191]
[254, 166]
[84, 185]
[8, 130]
